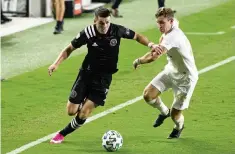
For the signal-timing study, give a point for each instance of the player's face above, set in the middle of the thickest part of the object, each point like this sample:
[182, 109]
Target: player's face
[102, 24]
[164, 24]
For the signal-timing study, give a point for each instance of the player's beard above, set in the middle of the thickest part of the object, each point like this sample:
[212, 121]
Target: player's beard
[103, 30]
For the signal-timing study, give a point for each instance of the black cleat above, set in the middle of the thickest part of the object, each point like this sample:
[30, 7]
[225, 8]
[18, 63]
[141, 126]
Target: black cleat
[161, 119]
[57, 31]
[115, 13]
[59, 27]
[175, 133]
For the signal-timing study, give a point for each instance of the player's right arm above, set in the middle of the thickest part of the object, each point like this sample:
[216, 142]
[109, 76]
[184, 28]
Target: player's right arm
[62, 56]
[77, 42]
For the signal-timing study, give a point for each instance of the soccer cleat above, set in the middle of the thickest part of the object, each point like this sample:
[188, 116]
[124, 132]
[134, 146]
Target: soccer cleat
[57, 31]
[115, 13]
[57, 139]
[175, 133]
[161, 119]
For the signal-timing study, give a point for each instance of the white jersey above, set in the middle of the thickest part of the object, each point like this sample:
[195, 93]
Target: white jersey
[179, 55]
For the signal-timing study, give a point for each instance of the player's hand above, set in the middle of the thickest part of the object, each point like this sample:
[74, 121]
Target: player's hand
[136, 63]
[157, 50]
[52, 68]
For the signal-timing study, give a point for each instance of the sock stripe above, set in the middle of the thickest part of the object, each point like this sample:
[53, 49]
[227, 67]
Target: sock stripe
[74, 124]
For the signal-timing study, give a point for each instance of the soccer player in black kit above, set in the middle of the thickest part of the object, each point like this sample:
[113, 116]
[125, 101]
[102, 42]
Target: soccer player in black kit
[92, 84]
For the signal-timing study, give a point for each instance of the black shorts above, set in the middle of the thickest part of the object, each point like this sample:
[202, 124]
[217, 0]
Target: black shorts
[92, 86]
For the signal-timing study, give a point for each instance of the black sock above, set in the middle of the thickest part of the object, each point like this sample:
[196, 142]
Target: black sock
[58, 24]
[161, 3]
[72, 126]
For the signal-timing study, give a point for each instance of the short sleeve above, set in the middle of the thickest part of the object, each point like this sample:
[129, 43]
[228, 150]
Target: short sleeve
[79, 40]
[125, 32]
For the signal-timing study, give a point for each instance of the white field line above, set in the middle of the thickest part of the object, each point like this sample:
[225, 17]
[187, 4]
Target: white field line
[113, 109]
[233, 27]
[204, 33]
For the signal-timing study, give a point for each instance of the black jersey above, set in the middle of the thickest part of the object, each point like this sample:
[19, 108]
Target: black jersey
[103, 49]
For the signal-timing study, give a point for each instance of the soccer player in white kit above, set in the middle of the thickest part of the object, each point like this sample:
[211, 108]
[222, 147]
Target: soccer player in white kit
[180, 73]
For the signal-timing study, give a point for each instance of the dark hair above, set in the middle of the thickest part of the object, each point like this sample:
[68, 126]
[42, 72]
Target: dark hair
[166, 12]
[102, 12]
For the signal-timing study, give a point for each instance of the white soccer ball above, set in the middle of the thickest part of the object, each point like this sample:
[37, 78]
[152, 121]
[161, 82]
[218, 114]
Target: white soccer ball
[112, 140]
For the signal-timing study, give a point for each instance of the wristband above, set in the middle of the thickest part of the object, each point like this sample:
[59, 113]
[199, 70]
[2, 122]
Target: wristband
[150, 44]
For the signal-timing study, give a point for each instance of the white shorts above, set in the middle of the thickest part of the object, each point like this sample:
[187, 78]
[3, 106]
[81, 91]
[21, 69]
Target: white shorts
[183, 88]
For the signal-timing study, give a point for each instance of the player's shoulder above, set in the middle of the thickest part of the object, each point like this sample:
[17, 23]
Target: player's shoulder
[175, 34]
[116, 26]
[89, 31]
[176, 31]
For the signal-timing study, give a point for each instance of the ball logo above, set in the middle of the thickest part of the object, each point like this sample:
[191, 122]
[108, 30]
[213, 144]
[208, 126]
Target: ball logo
[113, 42]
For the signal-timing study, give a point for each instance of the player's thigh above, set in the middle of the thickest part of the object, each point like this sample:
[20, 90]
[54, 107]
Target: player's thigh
[79, 90]
[182, 94]
[158, 85]
[99, 88]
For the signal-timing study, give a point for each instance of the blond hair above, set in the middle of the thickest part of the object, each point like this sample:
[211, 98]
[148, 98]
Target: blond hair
[166, 12]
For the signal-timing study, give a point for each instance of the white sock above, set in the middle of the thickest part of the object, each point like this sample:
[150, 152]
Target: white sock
[179, 122]
[157, 103]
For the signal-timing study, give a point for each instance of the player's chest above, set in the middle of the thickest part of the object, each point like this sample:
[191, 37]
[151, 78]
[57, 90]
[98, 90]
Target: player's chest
[111, 41]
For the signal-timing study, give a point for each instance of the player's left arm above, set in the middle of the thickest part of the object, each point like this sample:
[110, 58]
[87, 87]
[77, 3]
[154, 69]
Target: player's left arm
[130, 34]
[143, 40]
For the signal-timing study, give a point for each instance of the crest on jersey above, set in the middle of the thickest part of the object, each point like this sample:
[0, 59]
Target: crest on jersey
[73, 94]
[113, 42]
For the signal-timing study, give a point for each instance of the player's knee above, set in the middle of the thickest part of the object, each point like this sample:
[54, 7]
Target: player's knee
[71, 112]
[147, 95]
[83, 114]
[71, 109]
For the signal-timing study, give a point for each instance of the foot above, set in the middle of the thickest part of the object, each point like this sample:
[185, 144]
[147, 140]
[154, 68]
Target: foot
[175, 133]
[161, 119]
[115, 13]
[57, 31]
[57, 139]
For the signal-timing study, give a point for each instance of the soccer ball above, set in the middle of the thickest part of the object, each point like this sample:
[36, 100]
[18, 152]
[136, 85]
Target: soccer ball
[112, 140]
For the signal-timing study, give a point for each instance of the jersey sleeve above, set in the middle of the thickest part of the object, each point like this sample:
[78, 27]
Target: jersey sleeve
[125, 32]
[79, 40]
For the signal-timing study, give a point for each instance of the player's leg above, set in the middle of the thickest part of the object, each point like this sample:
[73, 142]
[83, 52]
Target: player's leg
[152, 96]
[80, 118]
[161, 3]
[182, 96]
[53, 9]
[61, 15]
[178, 118]
[59, 9]
[77, 96]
